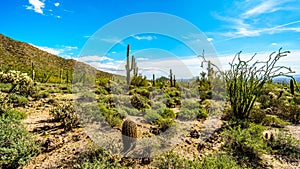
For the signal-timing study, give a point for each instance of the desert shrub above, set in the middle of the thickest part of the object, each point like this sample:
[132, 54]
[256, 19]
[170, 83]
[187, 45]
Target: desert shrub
[130, 110]
[168, 113]
[17, 145]
[212, 107]
[245, 143]
[257, 115]
[164, 123]
[15, 114]
[17, 100]
[246, 79]
[101, 90]
[43, 94]
[173, 160]
[141, 91]
[218, 160]
[5, 87]
[285, 145]
[192, 114]
[139, 81]
[151, 115]
[139, 102]
[97, 158]
[65, 113]
[274, 122]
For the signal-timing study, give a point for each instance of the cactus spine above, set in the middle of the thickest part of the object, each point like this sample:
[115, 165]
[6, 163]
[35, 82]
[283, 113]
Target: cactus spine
[130, 68]
[292, 87]
[171, 76]
[129, 135]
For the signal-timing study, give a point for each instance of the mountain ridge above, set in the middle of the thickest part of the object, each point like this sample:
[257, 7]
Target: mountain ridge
[17, 55]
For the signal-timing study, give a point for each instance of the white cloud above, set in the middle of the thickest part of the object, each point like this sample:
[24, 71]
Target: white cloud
[113, 52]
[144, 37]
[36, 5]
[274, 44]
[267, 6]
[142, 59]
[58, 16]
[210, 39]
[94, 59]
[63, 51]
[111, 40]
[56, 4]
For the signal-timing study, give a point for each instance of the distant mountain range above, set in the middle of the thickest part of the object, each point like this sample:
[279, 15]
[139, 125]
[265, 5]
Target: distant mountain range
[21, 56]
[286, 79]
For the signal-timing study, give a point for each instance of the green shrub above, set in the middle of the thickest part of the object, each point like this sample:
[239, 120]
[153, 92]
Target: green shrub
[139, 81]
[139, 102]
[65, 113]
[16, 143]
[168, 113]
[274, 122]
[15, 114]
[192, 114]
[173, 160]
[151, 115]
[246, 143]
[18, 100]
[257, 115]
[43, 94]
[218, 160]
[286, 145]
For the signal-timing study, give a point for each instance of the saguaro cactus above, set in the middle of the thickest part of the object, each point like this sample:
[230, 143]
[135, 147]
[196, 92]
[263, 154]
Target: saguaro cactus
[153, 80]
[130, 68]
[129, 135]
[32, 71]
[174, 81]
[171, 78]
[292, 87]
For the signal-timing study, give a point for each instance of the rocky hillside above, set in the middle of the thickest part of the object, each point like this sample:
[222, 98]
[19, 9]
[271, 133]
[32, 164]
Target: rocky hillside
[21, 56]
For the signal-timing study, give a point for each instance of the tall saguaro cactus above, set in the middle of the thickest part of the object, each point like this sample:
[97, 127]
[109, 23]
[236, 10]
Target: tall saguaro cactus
[153, 80]
[171, 78]
[292, 87]
[174, 81]
[131, 67]
[32, 71]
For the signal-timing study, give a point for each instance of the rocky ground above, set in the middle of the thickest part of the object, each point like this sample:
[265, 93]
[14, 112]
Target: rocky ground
[64, 149]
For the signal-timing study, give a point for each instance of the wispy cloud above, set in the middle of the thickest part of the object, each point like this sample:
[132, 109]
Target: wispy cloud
[142, 59]
[144, 37]
[63, 51]
[94, 59]
[111, 40]
[36, 5]
[267, 6]
[258, 18]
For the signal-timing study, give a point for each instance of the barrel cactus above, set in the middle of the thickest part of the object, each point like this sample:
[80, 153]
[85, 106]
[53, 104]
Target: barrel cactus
[129, 135]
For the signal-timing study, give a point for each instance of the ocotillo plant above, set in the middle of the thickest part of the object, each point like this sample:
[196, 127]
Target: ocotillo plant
[129, 135]
[128, 67]
[171, 76]
[292, 87]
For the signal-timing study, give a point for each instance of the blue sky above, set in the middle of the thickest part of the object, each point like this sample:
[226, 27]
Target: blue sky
[65, 28]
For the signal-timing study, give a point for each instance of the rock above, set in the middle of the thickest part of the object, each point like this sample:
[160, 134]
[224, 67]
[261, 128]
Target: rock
[194, 134]
[188, 141]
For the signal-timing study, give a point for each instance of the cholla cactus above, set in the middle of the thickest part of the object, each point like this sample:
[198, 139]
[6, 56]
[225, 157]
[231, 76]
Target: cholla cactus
[21, 82]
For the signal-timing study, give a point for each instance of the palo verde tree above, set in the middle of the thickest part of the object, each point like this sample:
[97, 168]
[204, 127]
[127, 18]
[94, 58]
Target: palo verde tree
[245, 80]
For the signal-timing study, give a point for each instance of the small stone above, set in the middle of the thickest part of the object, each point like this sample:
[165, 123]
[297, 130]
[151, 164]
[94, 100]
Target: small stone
[188, 141]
